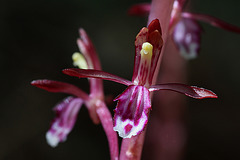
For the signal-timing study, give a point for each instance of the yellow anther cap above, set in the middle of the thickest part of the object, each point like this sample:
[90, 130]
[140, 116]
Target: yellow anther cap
[146, 49]
[79, 60]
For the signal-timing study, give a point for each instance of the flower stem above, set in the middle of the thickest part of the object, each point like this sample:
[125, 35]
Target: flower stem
[167, 127]
[107, 123]
[132, 147]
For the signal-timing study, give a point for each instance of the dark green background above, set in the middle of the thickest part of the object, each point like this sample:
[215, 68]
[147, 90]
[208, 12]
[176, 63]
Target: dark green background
[37, 39]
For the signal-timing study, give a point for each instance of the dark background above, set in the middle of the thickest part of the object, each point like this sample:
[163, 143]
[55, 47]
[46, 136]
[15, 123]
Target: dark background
[37, 39]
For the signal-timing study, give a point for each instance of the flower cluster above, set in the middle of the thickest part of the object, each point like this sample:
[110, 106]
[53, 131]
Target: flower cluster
[67, 110]
[134, 104]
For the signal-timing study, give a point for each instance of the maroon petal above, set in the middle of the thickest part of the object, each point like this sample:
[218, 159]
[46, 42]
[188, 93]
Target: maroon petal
[90, 73]
[131, 113]
[212, 20]
[155, 38]
[142, 9]
[87, 49]
[66, 114]
[140, 39]
[141, 74]
[191, 91]
[56, 86]
[153, 26]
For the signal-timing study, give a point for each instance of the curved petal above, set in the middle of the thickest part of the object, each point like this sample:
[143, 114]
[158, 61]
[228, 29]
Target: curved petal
[191, 91]
[66, 114]
[90, 73]
[140, 39]
[131, 113]
[212, 20]
[155, 38]
[56, 86]
[87, 49]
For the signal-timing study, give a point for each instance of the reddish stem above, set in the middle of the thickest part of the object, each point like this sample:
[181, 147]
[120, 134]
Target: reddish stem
[167, 130]
[106, 121]
[131, 148]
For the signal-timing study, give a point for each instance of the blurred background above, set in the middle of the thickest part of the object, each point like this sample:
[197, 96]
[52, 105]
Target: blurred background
[37, 39]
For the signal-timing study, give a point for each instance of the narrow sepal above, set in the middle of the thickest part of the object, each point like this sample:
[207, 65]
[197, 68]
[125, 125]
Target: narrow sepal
[66, 114]
[155, 38]
[131, 113]
[191, 91]
[212, 21]
[142, 9]
[57, 86]
[140, 39]
[90, 73]
[175, 14]
[187, 37]
[87, 49]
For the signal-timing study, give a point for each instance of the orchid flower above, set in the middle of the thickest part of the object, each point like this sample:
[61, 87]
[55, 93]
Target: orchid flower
[67, 110]
[134, 104]
[186, 32]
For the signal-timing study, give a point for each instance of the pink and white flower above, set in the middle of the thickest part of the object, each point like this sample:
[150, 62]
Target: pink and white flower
[67, 110]
[134, 104]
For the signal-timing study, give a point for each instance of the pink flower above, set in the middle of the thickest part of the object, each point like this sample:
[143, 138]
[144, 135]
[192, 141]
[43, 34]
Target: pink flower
[134, 104]
[184, 27]
[67, 110]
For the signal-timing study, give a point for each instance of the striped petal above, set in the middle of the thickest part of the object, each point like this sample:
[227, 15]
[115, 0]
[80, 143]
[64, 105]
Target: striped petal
[131, 113]
[187, 37]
